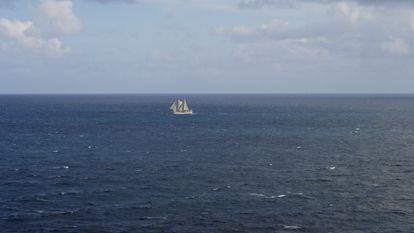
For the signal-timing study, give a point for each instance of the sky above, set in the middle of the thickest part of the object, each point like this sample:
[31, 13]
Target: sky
[206, 46]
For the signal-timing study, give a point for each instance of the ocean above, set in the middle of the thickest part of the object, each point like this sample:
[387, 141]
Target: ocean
[241, 163]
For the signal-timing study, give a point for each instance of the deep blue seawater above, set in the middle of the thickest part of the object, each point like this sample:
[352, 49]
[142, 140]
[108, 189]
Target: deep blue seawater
[242, 163]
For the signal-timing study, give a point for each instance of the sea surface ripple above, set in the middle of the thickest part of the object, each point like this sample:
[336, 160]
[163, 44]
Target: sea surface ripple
[242, 163]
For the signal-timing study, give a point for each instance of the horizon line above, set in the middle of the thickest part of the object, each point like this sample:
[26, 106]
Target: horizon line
[214, 93]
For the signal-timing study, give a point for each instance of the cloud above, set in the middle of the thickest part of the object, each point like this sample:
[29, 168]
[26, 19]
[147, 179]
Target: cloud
[347, 31]
[276, 42]
[396, 46]
[57, 18]
[257, 4]
[18, 34]
[274, 29]
[112, 1]
[352, 11]
[52, 19]
[243, 33]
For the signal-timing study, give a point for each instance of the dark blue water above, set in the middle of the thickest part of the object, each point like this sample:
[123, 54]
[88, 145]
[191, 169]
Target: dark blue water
[243, 163]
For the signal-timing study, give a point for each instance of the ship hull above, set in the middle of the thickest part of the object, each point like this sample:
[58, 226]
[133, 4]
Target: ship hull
[183, 113]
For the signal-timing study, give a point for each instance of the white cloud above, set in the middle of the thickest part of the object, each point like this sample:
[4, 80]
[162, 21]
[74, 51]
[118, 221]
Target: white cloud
[57, 18]
[353, 12]
[18, 35]
[243, 32]
[306, 48]
[112, 1]
[349, 29]
[274, 25]
[275, 42]
[14, 29]
[257, 4]
[396, 46]
[52, 19]
[252, 33]
[276, 30]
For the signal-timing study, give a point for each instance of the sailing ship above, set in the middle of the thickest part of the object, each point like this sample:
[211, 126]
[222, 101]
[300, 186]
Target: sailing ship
[180, 107]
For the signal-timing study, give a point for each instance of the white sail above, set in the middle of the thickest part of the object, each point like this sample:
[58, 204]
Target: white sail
[185, 106]
[174, 106]
[180, 107]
